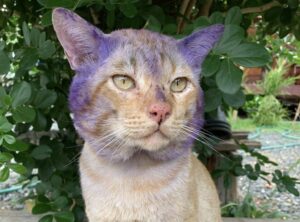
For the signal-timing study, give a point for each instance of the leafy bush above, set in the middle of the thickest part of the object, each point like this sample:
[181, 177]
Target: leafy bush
[247, 208]
[37, 138]
[269, 112]
[251, 105]
[275, 80]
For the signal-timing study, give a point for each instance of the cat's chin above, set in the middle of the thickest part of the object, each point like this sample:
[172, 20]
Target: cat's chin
[152, 142]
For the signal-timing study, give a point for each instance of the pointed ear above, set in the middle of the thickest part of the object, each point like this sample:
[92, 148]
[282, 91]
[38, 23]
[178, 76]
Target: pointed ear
[196, 46]
[80, 40]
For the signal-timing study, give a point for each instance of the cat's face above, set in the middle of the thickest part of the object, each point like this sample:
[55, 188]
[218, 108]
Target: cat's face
[134, 90]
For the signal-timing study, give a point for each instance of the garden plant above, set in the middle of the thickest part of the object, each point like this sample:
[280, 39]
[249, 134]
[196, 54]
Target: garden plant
[273, 83]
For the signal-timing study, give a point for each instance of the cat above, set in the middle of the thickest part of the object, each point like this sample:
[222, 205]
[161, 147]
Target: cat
[137, 104]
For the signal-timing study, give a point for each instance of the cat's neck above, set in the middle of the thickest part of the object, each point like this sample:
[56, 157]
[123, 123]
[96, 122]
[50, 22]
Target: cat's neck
[140, 161]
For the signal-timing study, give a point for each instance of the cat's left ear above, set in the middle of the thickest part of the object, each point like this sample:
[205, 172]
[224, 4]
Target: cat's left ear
[81, 41]
[196, 46]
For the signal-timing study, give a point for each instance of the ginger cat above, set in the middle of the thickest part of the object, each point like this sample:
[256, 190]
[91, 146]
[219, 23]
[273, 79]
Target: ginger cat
[137, 104]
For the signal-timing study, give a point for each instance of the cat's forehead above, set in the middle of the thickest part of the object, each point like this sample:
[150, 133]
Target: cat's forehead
[144, 38]
[155, 52]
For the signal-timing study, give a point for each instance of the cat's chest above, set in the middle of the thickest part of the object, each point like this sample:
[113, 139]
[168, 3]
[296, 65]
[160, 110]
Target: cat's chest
[113, 193]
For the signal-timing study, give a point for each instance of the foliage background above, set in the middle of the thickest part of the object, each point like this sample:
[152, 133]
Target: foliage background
[37, 138]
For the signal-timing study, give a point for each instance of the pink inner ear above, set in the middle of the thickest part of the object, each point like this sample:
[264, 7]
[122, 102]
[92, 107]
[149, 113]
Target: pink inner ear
[79, 39]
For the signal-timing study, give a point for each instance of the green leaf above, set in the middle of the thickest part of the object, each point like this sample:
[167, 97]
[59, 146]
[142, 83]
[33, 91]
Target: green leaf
[155, 11]
[239, 171]
[20, 169]
[4, 174]
[169, 29]
[26, 33]
[212, 99]
[229, 77]
[41, 208]
[235, 100]
[202, 21]
[20, 94]
[46, 218]
[42, 39]
[29, 60]
[210, 65]
[2, 93]
[41, 152]
[23, 114]
[216, 18]
[231, 38]
[46, 170]
[5, 126]
[153, 24]
[292, 189]
[5, 157]
[5, 99]
[57, 3]
[9, 138]
[45, 98]
[129, 10]
[250, 55]
[40, 122]
[47, 18]
[56, 181]
[65, 216]
[35, 37]
[17, 146]
[2, 45]
[46, 50]
[43, 199]
[60, 202]
[4, 63]
[234, 16]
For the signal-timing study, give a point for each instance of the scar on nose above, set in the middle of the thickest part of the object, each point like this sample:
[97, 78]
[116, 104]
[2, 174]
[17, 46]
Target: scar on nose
[159, 94]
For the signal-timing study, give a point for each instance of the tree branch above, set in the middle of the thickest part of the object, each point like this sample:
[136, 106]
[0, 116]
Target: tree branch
[187, 13]
[261, 8]
[204, 10]
[182, 10]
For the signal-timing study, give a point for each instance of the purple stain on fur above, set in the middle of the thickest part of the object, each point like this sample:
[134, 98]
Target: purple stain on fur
[89, 49]
[152, 61]
[196, 46]
[159, 94]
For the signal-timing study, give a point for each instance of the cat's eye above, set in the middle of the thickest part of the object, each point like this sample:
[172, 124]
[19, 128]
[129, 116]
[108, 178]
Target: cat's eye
[179, 84]
[123, 82]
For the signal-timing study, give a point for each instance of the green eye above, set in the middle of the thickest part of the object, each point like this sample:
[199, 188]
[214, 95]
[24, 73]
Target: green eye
[179, 84]
[123, 82]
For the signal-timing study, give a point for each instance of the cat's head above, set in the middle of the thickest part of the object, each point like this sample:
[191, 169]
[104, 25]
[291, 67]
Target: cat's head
[134, 90]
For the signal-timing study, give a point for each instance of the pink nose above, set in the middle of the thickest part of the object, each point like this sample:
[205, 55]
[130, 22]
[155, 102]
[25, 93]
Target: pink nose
[159, 111]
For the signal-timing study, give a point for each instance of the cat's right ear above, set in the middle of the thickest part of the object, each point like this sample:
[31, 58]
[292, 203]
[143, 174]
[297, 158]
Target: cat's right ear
[80, 40]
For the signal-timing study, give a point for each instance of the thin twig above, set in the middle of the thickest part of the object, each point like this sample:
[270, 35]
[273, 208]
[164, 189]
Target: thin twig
[261, 8]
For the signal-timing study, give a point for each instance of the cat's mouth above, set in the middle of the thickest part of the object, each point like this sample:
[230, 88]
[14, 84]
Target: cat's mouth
[155, 133]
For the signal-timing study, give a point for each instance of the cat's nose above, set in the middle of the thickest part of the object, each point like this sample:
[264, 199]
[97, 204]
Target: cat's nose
[159, 111]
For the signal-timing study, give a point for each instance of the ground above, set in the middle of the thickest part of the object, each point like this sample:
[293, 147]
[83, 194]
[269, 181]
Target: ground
[283, 147]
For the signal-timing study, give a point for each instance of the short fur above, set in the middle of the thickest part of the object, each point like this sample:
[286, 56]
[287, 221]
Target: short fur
[134, 168]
